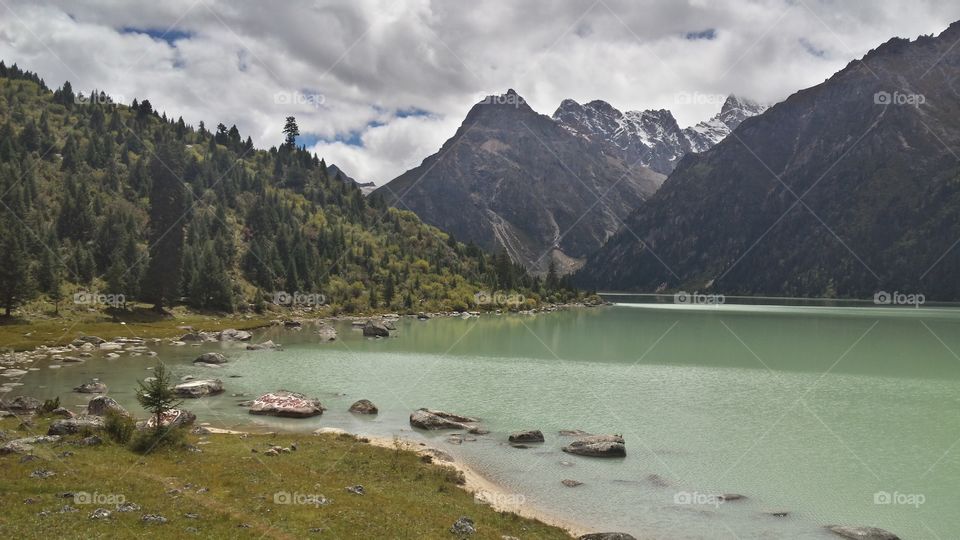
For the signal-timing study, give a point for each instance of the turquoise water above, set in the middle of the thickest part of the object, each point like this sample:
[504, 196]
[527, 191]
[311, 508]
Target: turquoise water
[813, 410]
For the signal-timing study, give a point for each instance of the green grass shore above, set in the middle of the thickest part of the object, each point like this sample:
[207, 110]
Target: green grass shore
[225, 486]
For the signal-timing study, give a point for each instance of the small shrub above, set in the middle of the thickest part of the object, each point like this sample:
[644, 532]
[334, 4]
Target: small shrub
[151, 440]
[49, 405]
[119, 427]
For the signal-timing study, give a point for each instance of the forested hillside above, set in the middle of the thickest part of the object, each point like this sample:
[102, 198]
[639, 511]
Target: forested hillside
[128, 202]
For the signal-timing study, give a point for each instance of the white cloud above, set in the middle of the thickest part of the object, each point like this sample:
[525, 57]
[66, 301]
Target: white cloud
[369, 59]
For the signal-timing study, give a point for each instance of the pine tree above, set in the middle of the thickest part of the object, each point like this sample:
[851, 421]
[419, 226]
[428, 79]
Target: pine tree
[16, 286]
[156, 395]
[292, 131]
[167, 208]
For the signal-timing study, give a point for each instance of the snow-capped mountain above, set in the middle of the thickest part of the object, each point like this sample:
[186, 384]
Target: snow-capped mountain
[652, 138]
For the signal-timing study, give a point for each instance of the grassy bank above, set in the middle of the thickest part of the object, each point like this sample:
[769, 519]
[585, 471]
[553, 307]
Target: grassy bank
[227, 490]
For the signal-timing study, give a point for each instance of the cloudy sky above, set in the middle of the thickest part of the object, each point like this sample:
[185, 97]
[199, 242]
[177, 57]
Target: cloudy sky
[378, 85]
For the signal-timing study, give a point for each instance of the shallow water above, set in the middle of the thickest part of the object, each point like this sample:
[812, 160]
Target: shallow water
[812, 410]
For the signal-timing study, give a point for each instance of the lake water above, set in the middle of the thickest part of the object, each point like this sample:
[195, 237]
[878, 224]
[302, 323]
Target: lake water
[818, 411]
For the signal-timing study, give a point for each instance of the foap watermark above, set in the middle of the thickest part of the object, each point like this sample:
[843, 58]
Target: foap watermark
[510, 98]
[902, 499]
[697, 98]
[697, 498]
[698, 299]
[897, 298]
[94, 298]
[498, 298]
[298, 299]
[312, 99]
[100, 499]
[499, 500]
[94, 98]
[286, 497]
[898, 98]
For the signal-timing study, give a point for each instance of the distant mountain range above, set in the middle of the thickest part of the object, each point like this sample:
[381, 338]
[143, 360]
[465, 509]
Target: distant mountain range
[653, 138]
[551, 189]
[365, 187]
[514, 179]
[847, 188]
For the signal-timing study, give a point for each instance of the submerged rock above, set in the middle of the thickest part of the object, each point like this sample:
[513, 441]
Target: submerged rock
[375, 329]
[92, 387]
[199, 388]
[364, 406]
[211, 358]
[598, 446]
[286, 404]
[606, 536]
[529, 436]
[327, 332]
[268, 345]
[234, 335]
[571, 483]
[433, 419]
[862, 533]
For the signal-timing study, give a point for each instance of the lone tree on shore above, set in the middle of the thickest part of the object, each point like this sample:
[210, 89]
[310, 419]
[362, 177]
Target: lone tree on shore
[156, 396]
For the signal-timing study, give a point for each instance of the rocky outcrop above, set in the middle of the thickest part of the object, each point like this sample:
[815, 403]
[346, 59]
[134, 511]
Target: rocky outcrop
[364, 406]
[199, 388]
[101, 405]
[92, 387]
[286, 404]
[434, 419]
[529, 436]
[69, 426]
[211, 358]
[375, 329]
[862, 533]
[598, 446]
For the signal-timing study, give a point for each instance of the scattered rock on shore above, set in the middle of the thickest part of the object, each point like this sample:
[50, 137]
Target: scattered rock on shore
[199, 388]
[606, 536]
[25, 445]
[529, 436]
[100, 405]
[862, 533]
[69, 426]
[286, 404]
[364, 406]
[598, 446]
[21, 404]
[433, 419]
[231, 334]
[172, 418]
[211, 358]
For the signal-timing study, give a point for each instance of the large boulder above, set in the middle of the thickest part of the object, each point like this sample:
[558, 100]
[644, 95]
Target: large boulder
[21, 404]
[211, 358]
[286, 404]
[598, 446]
[862, 533]
[529, 436]
[606, 536]
[327, 332]
[101, 405]
[364, 406]
[92, 387]
[70, 426]
[171, 418]
[231, 334]
[375, 329]
[434, 419]
[199, 388]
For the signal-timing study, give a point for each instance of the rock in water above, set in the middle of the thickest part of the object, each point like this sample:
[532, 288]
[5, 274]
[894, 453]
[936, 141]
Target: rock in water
[234, 335]
[327, 332]
[862, 533]
[432, 419]
[286, 404]
[375, 329]
[100, 405]
[598, 446]
[606, 536]
[92, 387]
[265, 346]
[199, 388]
[364, 406]
[69, 426]
[211, 358]
[529, 436]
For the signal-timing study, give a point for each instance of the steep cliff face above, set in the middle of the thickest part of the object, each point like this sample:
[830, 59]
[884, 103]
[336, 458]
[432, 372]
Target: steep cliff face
[847, 188]
[513, 179]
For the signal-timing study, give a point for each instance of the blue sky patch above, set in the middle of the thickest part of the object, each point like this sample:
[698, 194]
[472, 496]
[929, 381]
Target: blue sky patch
[170, 36]
[709, 34]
